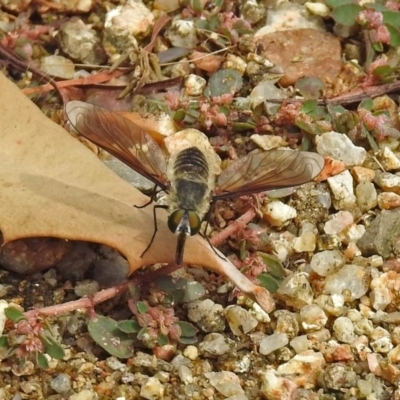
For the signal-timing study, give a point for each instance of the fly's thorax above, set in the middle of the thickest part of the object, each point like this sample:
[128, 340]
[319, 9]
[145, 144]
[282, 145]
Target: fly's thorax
[189, 174]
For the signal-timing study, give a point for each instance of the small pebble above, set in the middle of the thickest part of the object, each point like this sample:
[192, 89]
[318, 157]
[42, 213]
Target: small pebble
[361, 174]
[3, 318]
[153, 389]
[388, 182]
[208, 315]
[273, 342]
[194, 85]
[380, 298]
[306, 242]
[191, 352]
[134, 18]
[240, 320]
[338, 222]
[84, 394]
[304, 369]
[388, 159]
[296, 291]
[312, 318]
[275, 387]
[86, 288]
[382, 345]
[61, 383]
[58, 66]
[340, 147]
[327, 262]
[337, 376]
[352, 281]
[268, 142]
[227, 383]
[216, 344]
[80, 42]
[287, 323]
[344, 330]
[342, 190]
[300, 343]
[182, 33]
[367, 197]
[278, 213]
[388, 200]
[185, 375]
[236, 63]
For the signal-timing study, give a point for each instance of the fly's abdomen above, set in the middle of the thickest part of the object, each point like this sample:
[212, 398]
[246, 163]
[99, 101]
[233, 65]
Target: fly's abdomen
[191, 179]
[192, 164]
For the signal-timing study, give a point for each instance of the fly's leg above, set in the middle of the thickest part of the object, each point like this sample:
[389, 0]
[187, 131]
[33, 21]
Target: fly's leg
[155, 227]
[204, 234]
[152, 197]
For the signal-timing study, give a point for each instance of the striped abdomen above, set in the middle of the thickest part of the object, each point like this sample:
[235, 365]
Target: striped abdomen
[190, 184]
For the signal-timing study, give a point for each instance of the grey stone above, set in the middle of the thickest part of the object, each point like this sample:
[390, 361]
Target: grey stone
[381, 234]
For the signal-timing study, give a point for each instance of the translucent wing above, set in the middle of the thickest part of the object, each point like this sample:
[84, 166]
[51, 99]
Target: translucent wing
[121, 138]
[269, 170]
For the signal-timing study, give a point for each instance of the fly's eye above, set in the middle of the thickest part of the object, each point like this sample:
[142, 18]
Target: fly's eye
[194, 222]
[175, 219]
[184, 221]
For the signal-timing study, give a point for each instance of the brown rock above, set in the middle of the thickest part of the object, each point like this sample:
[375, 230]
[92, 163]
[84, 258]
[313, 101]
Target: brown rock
[32, 255]
[303, 52]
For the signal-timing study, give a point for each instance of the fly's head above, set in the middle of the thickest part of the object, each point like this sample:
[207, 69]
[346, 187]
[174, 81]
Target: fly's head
[184, 222]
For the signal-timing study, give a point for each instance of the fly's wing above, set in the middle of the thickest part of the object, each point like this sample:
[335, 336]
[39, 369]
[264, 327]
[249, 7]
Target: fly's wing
[269, 170]
[121, 138]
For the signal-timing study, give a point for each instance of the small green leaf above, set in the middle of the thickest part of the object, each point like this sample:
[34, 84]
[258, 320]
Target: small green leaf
[142, 307]
[41, 361]
[142, 333]
[392, 18]
[52, 348]
[385, 72]
[275, 267]
[162, 340]
[222, 82]
[309, 87]
[315, 127]
[337, 3]
[188, 340]
[188, 330]
[377, 46]
[134, 291]
[319, 112]
[344, 121]
[201, 24]
[4, 341]
[224, 110]
[243, 126]
[366, 104]
[269, 282]
[14, 314]
[365, 132]
[193, 291]
[197, 6]
[191, 116]
[179, 115]
[394, 35]
[104, 331]
[336, 109]
[306, 143]
[165, 283]
[309, 106]
[129, 326]
[346, 14]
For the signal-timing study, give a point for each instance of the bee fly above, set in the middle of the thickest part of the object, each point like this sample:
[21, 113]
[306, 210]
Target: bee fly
[188, 177]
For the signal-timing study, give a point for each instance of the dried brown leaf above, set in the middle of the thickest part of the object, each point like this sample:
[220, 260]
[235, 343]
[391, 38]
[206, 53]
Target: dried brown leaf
[53, 186]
